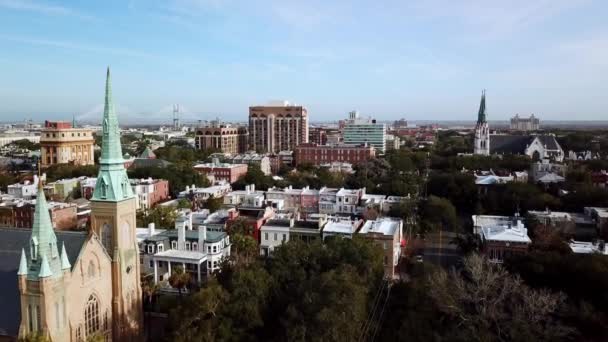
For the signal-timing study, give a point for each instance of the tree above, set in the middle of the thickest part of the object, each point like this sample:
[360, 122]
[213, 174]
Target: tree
[438, 214]
[160, 215]
[25, 145]
[34, 337]
[213, 204]
[484, 302]
[184, 203]
[179, 279]
[197, 318]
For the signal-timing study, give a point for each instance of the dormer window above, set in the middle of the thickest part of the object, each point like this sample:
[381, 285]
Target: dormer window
[103, 188]
[173, 244]
[34, 249]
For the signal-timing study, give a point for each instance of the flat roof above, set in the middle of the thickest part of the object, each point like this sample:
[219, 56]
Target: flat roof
[340, 227]
[183, 255]
[384, 226]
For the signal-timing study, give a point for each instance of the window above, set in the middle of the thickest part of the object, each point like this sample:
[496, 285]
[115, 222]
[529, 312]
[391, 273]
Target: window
[385, 245]
[265, 236]
[106, 237]
[284, 237]
[195, 246]
[151, 263]
[173, 244]
[187, 245]
[150, 249]
[57, 316]
[91, 316]
[208, 249]
[30, 318]
[214, 248]
[38, 318]
[275, 236]
[91, 269]
[160, 247]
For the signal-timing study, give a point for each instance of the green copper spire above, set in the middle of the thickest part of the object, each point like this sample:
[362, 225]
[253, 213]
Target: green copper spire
[112, 182]
[22, 264]
[481, 116]
[43, 242]
[45, 269]
[65, 262]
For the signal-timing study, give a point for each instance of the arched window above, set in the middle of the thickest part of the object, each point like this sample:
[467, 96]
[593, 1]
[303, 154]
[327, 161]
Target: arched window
[91, 316]
[91, 269]
[106, 237]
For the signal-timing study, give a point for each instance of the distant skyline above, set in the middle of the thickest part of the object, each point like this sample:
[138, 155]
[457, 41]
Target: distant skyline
[418, 60]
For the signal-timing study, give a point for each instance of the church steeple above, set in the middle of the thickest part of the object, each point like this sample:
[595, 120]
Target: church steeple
[112, 182]
[43, 257]
[481, 116]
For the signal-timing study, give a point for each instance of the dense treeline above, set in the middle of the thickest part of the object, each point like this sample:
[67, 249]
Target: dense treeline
[305, 292]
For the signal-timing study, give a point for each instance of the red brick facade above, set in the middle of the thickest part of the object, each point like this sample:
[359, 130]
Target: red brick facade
[64, 216]
[230, 173]
[320, 154]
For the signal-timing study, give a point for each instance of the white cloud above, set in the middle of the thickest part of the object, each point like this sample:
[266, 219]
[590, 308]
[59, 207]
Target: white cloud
[491, 20]
[75, 46]
[43, 8]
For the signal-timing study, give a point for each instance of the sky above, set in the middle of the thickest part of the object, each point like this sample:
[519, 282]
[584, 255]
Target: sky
[389, 59]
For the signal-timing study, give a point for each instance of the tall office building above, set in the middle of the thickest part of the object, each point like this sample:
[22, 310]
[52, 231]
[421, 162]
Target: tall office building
[223, 137]
[62, 143]
[358, 131]
[278, 126]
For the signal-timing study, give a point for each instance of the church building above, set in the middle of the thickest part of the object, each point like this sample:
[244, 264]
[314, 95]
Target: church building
[75, 286]
[537, 147]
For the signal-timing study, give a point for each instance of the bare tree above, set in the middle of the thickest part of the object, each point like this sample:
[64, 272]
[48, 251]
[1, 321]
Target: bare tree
[487, 303]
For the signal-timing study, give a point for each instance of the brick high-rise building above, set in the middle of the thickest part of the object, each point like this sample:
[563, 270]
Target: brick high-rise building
[277, 127]
[62, 143]
[223, 137]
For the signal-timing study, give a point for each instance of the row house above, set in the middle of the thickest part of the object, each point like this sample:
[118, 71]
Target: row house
[19, 213]
[340, 201]
[251, 159]
[222, 171]
[387, 233]
[149, 191]
[25, 190]
[341, 227]
[216, 191]
[304, 200]
[285, 227]
[198, 252]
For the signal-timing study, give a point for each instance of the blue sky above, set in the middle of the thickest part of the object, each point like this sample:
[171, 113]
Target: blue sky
[422, 60]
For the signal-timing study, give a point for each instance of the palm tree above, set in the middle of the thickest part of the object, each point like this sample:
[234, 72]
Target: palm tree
[149, 289]
[179, 279]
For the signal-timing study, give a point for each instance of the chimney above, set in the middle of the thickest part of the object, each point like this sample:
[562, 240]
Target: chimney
[202, 236]
[181, 234]
[187, 188]
[151, 228]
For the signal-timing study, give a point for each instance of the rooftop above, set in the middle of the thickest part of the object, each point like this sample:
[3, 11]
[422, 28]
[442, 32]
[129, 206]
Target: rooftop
[588, 247]
[340, 227]
[384, 226]
[506, 231]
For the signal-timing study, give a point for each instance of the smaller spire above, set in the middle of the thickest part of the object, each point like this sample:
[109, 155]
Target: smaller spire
[65, 262]
[73, 120]
[22, 264]
[45, 269]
